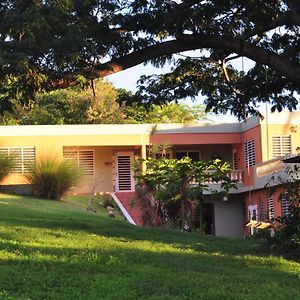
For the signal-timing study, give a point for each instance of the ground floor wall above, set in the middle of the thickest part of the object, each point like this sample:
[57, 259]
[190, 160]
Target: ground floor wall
[265, 205]
[262, 205]
[101, 166]
[226, 218]
[18, 189]
[229, 218]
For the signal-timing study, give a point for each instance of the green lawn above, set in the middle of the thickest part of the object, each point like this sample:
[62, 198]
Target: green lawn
[54, 250]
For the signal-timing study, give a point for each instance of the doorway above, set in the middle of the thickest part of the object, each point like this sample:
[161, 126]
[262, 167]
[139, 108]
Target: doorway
[124, 172]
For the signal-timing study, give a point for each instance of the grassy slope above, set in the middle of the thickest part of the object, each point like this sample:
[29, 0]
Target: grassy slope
[51, 250]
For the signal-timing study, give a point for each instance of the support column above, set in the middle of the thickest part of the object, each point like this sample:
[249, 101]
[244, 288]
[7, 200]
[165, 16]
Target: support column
[144, 156]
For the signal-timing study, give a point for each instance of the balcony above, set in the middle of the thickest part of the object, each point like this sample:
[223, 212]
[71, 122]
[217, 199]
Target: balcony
[234, 175]
[270, 167]
[272, 172]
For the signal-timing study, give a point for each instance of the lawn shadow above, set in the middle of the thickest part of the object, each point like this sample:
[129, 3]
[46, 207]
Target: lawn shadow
[125, 232]
[73, 219]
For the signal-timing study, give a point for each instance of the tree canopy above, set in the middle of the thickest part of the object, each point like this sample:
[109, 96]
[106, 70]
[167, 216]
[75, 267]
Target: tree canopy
[165, 113]
[56, 44]
[93, 105]
[100, 104]
[168, 182]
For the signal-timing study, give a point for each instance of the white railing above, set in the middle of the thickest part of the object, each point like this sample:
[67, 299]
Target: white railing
[236, 175]
[270, 167]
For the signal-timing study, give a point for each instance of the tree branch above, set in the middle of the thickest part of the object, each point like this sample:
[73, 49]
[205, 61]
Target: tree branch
[185, 43]
[289, 18]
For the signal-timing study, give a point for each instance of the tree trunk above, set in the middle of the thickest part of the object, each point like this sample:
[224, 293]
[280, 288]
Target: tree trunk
[201, 217]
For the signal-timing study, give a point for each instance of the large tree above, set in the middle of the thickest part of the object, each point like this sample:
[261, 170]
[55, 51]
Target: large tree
[53, 44]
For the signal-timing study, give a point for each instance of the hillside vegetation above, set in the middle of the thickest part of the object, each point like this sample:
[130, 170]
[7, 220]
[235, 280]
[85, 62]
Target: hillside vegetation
[56, 250]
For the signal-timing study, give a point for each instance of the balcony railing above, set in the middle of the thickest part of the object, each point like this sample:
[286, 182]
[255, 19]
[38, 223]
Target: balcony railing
[270, 167]
[236, 175]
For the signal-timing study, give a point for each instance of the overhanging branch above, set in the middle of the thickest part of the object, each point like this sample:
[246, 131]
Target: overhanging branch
[181, 44]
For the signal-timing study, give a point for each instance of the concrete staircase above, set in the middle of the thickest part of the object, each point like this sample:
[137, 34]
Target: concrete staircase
[131, 212]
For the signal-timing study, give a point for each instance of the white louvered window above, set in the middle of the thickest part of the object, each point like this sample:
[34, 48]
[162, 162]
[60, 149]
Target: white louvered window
[84, 159]
[249, 153]
[24, 158]
[235, 161]
[285, 206]
[271, 208]
[281, 145]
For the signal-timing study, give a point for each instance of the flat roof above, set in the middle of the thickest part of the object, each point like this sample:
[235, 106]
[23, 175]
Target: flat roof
[112, 129]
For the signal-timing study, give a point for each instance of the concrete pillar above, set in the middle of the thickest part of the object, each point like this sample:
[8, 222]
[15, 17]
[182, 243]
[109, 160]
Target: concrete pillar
[144, 156]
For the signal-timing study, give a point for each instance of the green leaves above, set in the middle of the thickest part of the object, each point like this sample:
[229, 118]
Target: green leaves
[70, 106]
[164, 113]
[63, 40]
[164, 174]
[52, 178]
[6, 164]
[179, 182]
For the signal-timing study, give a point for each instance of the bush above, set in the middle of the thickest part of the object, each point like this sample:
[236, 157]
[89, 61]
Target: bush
[6, 164]
[52, 178]
[286, 241]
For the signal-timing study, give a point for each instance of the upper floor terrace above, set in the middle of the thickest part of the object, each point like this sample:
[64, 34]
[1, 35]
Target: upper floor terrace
[275, 171]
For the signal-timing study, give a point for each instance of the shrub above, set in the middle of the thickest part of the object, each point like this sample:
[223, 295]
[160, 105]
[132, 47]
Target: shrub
[6, 164]
[286, 241]
[52, 178]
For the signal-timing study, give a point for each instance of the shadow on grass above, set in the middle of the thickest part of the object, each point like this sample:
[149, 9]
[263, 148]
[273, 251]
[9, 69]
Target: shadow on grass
[55, 215]
[127, 233]
[125, 273]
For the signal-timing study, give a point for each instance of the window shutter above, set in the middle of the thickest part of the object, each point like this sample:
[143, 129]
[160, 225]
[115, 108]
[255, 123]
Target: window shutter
[285, 206]
[24, 158]
[270, 208]
[261, 209]
[235, 161]
[83, 159]
[86, 162]
[249, 153]
[28, 156]
[281, 145]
